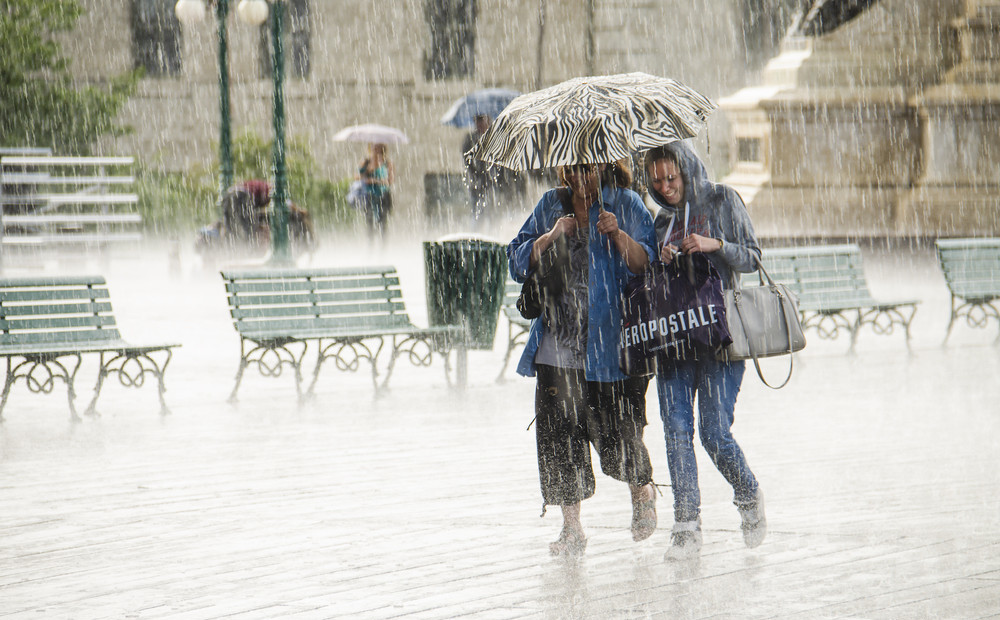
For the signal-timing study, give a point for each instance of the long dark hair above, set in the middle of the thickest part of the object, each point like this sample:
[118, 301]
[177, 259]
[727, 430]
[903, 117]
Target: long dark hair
[617, 173]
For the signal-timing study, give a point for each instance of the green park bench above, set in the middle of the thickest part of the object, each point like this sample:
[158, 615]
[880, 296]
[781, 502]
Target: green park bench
[352, 313]
[517, 325]
[47, 320]
[833, 294]
[972, 271]
[58, 205]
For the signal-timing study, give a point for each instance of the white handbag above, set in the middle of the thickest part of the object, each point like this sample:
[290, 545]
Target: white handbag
[763, 322]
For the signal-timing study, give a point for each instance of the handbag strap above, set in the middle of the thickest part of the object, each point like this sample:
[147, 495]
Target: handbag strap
[738, 298]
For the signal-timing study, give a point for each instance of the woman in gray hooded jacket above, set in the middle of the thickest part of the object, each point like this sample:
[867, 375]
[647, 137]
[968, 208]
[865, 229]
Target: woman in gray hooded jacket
[697, 215]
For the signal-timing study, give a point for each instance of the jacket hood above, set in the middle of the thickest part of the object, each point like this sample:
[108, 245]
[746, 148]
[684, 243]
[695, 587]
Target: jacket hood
[697, 187]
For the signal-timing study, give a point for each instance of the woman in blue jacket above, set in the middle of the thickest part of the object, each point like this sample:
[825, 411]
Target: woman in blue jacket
[581, 396]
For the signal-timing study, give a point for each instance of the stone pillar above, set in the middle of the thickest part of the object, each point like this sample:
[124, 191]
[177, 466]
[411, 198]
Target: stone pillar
[877, 129]
[957, 189]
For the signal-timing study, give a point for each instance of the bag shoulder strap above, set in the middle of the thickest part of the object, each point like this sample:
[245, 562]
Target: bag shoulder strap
[737, 298]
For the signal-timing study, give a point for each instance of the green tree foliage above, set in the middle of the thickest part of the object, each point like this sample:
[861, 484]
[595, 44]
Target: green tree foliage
[39, 103]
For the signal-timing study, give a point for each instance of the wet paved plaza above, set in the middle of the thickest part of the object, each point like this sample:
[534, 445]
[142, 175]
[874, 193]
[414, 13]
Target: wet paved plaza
[880, 471]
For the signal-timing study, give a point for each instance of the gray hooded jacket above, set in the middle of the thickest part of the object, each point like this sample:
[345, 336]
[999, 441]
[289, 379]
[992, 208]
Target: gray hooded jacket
[714, 210]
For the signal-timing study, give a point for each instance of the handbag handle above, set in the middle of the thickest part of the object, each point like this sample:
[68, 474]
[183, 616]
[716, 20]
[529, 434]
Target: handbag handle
[737, 298]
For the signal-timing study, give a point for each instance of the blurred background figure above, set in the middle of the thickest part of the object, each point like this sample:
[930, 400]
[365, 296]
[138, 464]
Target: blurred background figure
[479, 175]
[244, 227]
[376, 172]
[492, 189]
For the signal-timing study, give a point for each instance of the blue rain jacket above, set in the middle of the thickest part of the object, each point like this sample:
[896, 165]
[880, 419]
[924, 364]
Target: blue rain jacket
[607, 274]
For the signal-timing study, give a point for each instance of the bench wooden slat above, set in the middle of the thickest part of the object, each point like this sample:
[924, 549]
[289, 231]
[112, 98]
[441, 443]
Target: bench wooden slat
[355, 334]
[340, 325]
[56, 294]
[89, 335]
[30, 178]
[46, 309]
[52, 322]
[30, 160]
[70, 218]
[73, 199]
[240, 275]
[314, 312]
[51, 281]
[315, 298]
[72, 238]
[374, 282]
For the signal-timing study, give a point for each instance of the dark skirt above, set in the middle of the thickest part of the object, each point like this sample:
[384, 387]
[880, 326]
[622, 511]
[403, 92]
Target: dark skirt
[572, 413]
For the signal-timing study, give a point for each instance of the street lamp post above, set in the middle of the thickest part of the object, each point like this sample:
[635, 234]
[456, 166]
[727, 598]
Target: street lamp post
[254, 12]
[193, 11]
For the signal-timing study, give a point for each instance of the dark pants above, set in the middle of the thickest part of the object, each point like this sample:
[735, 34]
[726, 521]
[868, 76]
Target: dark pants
[570, 414]
[377, 208]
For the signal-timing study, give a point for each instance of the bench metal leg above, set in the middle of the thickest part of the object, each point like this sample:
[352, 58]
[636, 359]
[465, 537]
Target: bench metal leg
[461, 366]
[977, 313]
[40, 374]
[271, 357]
[513, 340]
[420, 351]
[884, 319]
[6, 388]
[855, 329]
[239, 378]
[828, 325]
[347, 356]
[132, 368]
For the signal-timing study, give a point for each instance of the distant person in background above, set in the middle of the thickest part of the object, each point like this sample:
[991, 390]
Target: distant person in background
[377, 174]
[245, 225]
[481, 176]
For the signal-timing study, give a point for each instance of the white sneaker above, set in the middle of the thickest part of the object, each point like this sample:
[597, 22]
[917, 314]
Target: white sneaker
[754, 523]
[685, 541]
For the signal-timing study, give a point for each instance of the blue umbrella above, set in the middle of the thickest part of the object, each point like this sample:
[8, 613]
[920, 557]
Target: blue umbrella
[489, 101]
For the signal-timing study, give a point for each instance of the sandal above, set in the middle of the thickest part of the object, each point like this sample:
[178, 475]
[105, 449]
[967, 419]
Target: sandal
[644, 516]
[570, 543]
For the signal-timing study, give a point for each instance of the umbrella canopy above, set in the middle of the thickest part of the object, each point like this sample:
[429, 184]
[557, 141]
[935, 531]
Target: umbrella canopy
[592, 120]
[378, 134]
[489, 101]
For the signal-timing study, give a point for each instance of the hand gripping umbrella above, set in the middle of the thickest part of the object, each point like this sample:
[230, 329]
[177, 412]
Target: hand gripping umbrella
[592, 120]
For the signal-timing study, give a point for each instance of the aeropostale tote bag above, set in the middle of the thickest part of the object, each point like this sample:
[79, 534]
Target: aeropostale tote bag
[670, 308]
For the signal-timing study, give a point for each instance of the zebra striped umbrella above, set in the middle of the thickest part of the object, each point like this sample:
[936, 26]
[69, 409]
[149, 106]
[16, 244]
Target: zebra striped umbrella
[592, 120]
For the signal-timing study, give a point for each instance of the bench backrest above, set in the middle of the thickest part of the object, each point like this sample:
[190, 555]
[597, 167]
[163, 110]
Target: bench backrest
[41, 311]
[59, 201]
[819, 275]
[971, 266]
[287, 300]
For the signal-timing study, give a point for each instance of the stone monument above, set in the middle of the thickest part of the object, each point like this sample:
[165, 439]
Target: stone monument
[888, 126]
